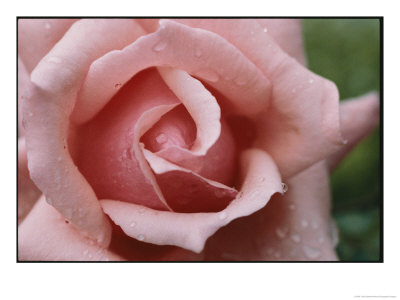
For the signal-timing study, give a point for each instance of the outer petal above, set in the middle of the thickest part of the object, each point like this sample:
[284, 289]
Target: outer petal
[46, 236]
[28, 193]
[37, 36]
[190, 231]
[24, 90]
[292, 227]
[287, 33]
[301, 126]
[200, 53]
[57, 79]
[358, 117]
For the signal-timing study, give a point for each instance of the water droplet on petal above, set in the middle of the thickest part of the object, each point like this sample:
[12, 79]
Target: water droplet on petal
[304, 223]
[208, 75]
[295, 237]
[311, 252]
[277, 254]
[284, 187]
[133, 224]
[265, 29]
[161, 138]
[30, 114]
[142, 210]
[310, 80]
[270, 251]
[47, 25]
[49, 200]
[90, 255]
[292, 206]
[117, 85]
[262, 179]
[198, 52]
[160, 46]
[281, 232]
[59, 158]
[314, 224]
[345, 142]
[293, 90]
[53, 59]
[241, 81]
[222, 215]
[85, 252]
[141, 237]
[321, 240]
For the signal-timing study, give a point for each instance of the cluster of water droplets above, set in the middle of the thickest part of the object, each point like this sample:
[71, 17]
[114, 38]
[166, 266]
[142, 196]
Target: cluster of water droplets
[207, 73]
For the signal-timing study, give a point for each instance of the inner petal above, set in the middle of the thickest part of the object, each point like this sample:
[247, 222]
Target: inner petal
[176, 128]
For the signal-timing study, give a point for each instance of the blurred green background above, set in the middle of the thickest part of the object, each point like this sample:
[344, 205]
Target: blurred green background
[347, 51]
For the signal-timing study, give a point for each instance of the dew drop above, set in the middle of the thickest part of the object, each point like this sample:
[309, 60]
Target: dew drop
[117, 85]
[222, 215]
[47, 25]
[66, 221]
[30, 114]
[208, 75]
[220, 193]
[284, 187]
[310, 80]
[270, 251]
[53, 59]
[265, 29]
[314, 224]
[295, 237]
[277, 254]
[292, 206]
[345, 142]
[252, 32]
[281, 232]
[85, 252]
[59, 158]
[304, 223]
[311, 252]
[142, 210]
[160, 46]
[90, 255]
[262, 179]
[49, 200]
[133, 224]
[141, 237]
[240, 81]
[161, 138]
[293, 90]
[321, 240]
[198, 52]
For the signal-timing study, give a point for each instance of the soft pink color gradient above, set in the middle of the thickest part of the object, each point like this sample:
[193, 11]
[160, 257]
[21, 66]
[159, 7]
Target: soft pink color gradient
[169, 140]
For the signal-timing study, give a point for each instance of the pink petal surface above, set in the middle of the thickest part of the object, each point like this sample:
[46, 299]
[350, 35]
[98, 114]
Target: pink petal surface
[288, 34]
[28, 193]
[302, 124]
[36, 37]
[115, 134]
[174, 45]
[295, 226]
[45, 235]
[190, 231]
[358, 117]
[24, 87]
[57, 79]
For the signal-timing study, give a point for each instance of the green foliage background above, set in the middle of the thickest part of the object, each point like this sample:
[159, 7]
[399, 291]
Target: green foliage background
[347, 51]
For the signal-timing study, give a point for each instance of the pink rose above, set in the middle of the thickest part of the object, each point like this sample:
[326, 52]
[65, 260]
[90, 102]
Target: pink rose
[145, 139]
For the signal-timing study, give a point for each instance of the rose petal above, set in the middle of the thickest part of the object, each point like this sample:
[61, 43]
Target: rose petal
[190, 231]
[187, 191]
[28, 193]
[292, 227]
[46, 236]
[37, 36]
[301, 126]
[57, 79]
[358, 117]
[106, 156]
[174, 45]
[24, 92]
[287, 33]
